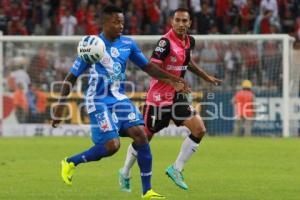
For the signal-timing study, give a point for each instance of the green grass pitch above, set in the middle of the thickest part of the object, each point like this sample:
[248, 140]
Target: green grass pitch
[224, 168]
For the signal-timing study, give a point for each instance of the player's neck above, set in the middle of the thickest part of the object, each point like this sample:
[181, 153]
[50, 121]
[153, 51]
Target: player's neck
[181, 37]
[109, 37]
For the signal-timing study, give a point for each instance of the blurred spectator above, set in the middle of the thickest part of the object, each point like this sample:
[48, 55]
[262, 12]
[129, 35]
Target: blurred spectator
[287, 21]
[270, 5]
[248, 13]
[233, 60]
[3, 21]
[235, 30]
[205, 20]
[221, 7]
[18, 77]
[214, 30]
[209, 59]
[16, 11]
[243, 102]
[91, 21]
[81, 17]
[295, 7]
[297, 29]
[62, 65]
[20, 104]
[38, 65]
[172, 4]
[239, 3]
[231, 17]
[16, 27]
[132, 21]
[263, 23]
[196, 8]
[68, 23]
[251, 61]
[37, 104]
[153, 13]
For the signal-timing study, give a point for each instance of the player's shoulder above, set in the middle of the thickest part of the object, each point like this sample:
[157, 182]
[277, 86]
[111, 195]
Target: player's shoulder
[127, 40]
[192, 41]
[163, 42]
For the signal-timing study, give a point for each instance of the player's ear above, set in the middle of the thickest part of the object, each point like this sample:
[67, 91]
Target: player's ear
[105, 18]
[190, 23]
[172, 20]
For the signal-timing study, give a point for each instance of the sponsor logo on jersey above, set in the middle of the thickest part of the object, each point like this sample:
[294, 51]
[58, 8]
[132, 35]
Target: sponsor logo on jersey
[159, 49]
[126, 49]
[173, 59]
[76, 65]
[114, 52]
[117, 75]
[131, 116]
[157, 97]
[105, 60]
[103, 121]
[162, 43]
[126, 41]
[176, 68]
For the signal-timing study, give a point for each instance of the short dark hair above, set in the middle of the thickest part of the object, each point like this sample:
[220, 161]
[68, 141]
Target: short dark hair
[182, 10]
[109, 9]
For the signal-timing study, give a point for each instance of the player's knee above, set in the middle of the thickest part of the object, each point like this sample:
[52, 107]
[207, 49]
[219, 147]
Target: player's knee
[112, 146]
[138, 135]
[140, 138]
[149, 137]
[199, 131]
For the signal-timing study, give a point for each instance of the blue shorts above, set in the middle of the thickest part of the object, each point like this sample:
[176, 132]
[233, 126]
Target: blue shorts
[113, 121]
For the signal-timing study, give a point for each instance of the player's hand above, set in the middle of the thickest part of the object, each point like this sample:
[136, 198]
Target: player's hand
[181, 86]
[214, 80]
[55, 122]
[56, 115]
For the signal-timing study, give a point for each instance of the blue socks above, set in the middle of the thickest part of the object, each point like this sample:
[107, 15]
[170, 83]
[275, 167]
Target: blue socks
[93, 154]
[144, 159]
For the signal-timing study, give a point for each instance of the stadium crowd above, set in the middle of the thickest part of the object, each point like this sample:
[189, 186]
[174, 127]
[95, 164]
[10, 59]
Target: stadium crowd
[79, 17]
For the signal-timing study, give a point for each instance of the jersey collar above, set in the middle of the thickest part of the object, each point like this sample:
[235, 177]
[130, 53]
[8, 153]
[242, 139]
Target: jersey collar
[101, 35]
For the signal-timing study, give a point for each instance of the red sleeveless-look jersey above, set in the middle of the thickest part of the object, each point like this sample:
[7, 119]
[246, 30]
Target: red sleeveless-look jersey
[174, 57]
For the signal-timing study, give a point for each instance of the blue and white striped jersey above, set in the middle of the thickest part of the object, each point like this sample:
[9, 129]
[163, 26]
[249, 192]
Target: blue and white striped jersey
[106, 78]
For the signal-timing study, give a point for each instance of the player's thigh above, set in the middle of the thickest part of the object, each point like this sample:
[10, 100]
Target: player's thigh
[137, 134]
[128, 115]
[182, 111]
[156, 118]
[103, 127]
[196, 125]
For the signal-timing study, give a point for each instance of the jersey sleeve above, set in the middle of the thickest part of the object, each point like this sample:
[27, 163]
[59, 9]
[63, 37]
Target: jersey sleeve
[137, 56]
[161, 51]
[192, 42]
[79, 67]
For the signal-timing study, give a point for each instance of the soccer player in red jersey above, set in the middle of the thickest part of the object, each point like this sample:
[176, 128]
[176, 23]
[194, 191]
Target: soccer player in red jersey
[163, 103]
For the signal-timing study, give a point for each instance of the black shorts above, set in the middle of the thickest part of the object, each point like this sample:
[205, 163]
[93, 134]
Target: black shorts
[156, 118]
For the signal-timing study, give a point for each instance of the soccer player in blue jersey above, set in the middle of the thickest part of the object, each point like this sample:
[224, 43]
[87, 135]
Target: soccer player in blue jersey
[111, 113]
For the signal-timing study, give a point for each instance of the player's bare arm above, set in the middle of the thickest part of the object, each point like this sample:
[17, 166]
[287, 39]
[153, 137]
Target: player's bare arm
[65, 91]
[178, 86]
[194, 68]
[177, 82]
